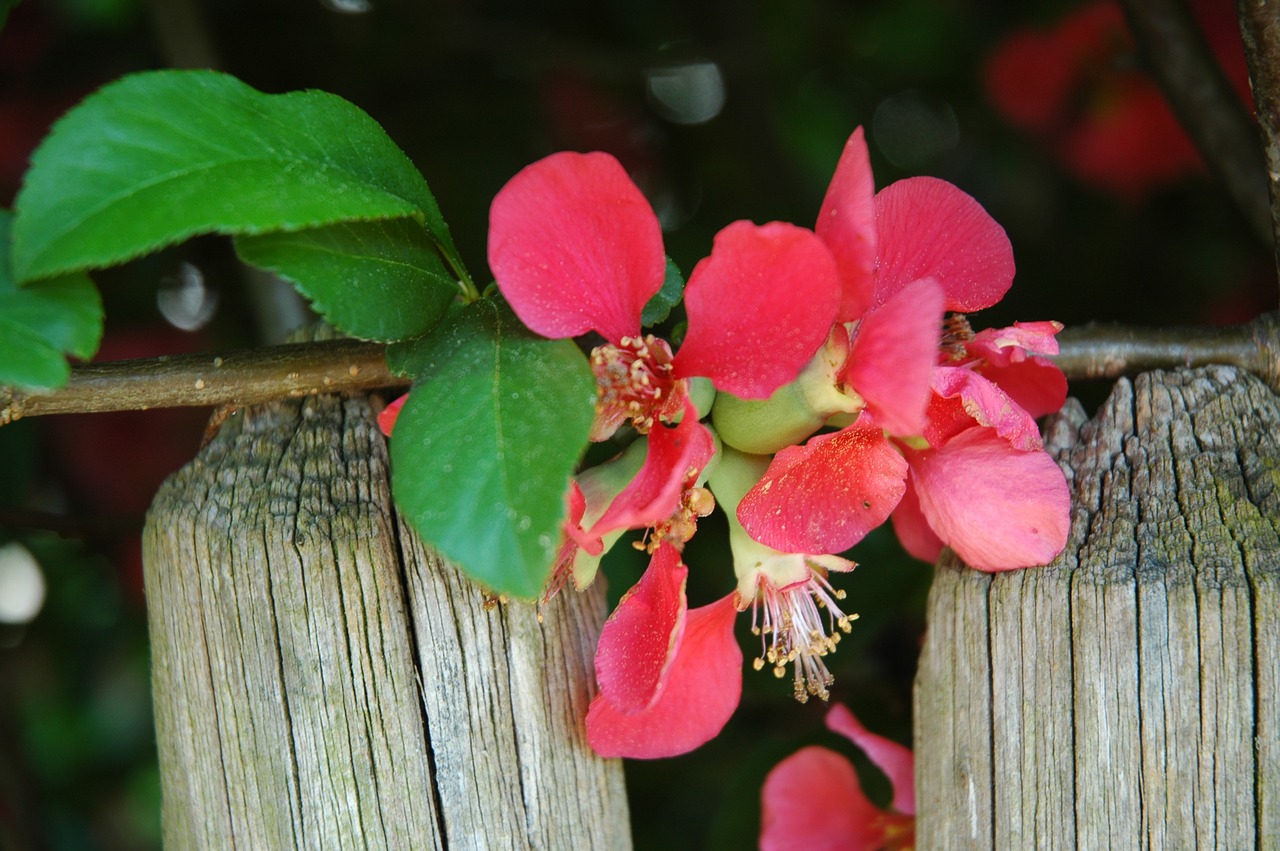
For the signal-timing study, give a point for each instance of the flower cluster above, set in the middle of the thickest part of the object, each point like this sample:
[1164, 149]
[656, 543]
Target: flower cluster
[827, 381]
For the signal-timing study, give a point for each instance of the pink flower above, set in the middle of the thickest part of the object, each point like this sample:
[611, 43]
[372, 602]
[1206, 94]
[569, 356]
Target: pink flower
[983, 485]
[976, 479]
[915, 248]
[904, 255]
[794, 609]
[575, 247]
[812, 800]
[670, 677]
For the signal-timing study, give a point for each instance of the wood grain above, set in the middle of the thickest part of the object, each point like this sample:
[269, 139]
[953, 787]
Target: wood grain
[321, 681]
[1125, 696]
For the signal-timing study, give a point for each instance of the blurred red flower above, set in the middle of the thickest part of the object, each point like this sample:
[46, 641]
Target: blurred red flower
[1079, 88]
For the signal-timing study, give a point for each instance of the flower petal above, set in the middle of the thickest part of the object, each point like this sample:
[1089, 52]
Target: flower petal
[387, 417]
[912, 528]
[812, 800]
[701, 692]
[575, 247]
[1036, 384]
[1002, 346]
[893, 356]
[825, 496]
[930, 229]
[654, 494]
[998, 507]
[639, 641]
[759, 307]
[980, 402]
[847, 224]
[894, 759]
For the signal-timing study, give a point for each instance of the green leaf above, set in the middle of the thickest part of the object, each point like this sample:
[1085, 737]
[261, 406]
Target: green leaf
[26, 360]
[41, 321]
[659, 307]
[483, 450]
[160, 156]
[377, 280]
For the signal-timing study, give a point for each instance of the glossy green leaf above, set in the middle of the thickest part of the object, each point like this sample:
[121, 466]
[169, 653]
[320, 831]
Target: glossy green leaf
[659, 307]
[160, 156]
[42, 321]
[483, 450]
[378, 280]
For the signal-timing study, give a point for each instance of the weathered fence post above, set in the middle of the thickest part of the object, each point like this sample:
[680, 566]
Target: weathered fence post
[1127, 695]
[322, 681]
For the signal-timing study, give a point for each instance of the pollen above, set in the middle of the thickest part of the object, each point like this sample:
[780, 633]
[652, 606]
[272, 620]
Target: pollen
[794, 631]
[635, 384]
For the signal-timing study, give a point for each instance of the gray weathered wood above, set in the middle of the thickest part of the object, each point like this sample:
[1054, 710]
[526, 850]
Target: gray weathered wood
[321, 681]
[1128, 695]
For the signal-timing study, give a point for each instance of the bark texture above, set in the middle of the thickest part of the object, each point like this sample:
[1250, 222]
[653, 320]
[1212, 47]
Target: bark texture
[322, 681]
[1127, 695]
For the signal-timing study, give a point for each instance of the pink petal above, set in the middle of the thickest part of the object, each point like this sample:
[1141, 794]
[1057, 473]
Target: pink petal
[1002, 346]
[1036, 385]
[387, 418]
[825, 496]
[930, 229]
[576, 503]
[639, 641]
[986, 404]
[701, 692]
[654, 494]
[894, 759]
[575, 247]
[893, 356]
[912, 529]
[812, 801]
[759, 307]
[847, 224]
[999, 508]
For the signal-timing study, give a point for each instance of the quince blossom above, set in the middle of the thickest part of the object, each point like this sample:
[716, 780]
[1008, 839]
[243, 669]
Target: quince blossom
[918, 247]
[671, 677]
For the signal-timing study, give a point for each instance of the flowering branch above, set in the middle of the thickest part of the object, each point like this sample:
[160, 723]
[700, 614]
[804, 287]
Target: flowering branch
[1198, 91]
[252, 376]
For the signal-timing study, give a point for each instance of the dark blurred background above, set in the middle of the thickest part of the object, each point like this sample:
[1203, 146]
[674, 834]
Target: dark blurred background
[720, 111]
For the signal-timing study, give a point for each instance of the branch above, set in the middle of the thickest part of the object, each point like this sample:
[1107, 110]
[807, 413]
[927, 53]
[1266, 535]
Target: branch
[234, 378]
[251, 376]
[1260, 30]
[1110, 351]
[1170, 42]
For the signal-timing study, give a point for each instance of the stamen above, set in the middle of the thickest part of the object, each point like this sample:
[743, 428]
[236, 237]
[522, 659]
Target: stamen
[789, 622]
[956, 331]
[695, 502]
[634, 383]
